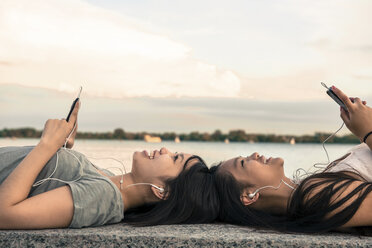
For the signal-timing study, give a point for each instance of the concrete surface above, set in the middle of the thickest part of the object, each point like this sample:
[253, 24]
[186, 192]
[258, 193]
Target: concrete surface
[205, 235]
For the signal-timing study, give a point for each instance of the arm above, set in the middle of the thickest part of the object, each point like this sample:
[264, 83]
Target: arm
[362, 216]
[334, 201]
[369, 141]
[50, 209]
[358, 118]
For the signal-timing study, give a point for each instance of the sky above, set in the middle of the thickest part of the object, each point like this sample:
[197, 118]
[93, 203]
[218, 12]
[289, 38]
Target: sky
[183, 66]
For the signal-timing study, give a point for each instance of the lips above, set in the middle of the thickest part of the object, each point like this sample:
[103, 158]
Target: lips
[145, 153]
[265, 160]
[153, 154]
[150, 155]
[262, 159]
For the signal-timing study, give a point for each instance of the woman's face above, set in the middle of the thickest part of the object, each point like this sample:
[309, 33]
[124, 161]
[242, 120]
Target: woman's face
[255, 171]
[161, 165]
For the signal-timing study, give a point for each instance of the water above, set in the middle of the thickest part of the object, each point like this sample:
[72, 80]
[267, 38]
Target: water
[295, 156]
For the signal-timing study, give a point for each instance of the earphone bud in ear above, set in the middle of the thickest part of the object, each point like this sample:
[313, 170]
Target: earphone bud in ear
[251, 195]
[161, 190]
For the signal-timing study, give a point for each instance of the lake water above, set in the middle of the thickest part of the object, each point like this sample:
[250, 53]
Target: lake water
[295, 156]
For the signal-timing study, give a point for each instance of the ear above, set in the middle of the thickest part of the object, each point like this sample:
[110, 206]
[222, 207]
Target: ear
[158, 193]
[244, 198]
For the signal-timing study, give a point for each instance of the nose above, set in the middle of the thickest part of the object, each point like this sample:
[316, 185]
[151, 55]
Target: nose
[255, 155]
[164, 150]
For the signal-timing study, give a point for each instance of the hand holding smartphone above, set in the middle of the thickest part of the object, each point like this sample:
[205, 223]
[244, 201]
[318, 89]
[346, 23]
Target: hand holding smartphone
[335, 97]
[73, 104]
[71, 137]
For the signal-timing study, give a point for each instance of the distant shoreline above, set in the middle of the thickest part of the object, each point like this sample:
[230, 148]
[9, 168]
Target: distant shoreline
[216, 136]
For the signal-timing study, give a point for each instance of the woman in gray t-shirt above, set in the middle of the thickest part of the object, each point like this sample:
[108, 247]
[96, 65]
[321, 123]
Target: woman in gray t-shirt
[47, 186]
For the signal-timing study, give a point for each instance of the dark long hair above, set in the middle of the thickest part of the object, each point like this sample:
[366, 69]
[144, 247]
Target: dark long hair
[308, 209]
[232, 209]
[192, 199]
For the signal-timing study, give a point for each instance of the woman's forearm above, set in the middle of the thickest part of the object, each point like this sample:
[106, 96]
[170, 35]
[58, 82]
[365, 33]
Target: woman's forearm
[17, 185]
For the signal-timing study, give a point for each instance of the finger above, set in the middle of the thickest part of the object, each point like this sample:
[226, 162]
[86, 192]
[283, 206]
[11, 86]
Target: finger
[74, 113]
[75, 130]
[344, 116]
[70, 144]
[344, 98]
[358, 101]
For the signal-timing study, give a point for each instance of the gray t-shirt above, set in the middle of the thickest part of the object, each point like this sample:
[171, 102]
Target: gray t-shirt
[97, 200]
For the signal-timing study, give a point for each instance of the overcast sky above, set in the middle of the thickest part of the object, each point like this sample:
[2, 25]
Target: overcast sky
[183, 65]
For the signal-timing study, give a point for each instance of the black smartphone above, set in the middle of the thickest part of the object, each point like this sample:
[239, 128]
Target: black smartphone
[73, 104]
[334, 96]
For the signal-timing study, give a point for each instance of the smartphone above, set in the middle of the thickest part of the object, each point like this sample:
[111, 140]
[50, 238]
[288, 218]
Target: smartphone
[334, 96]
[73, 104]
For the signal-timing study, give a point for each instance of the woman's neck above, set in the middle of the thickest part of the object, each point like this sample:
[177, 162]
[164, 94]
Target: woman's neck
[276, 201]
[133, 196]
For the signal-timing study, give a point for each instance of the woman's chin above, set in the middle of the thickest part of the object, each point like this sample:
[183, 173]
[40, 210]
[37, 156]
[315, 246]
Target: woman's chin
[137, 155]
[136, 158]
[277, 161]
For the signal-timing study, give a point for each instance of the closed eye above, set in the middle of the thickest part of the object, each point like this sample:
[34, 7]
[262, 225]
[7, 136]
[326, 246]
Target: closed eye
[176, 157]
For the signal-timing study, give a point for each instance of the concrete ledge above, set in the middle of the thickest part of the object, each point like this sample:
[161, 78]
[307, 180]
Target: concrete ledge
[206, 235]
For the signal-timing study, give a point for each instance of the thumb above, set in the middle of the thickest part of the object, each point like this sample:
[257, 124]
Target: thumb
[74, 113]
[344, 98]
[345, 116]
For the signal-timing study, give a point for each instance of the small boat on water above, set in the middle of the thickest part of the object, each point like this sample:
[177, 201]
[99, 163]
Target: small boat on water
[152, 139]
[227, 141]
[177, 140]
[292, 141]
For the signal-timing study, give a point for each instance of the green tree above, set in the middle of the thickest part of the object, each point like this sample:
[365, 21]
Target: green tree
[118, 134]
[218, 136]
[237, 135]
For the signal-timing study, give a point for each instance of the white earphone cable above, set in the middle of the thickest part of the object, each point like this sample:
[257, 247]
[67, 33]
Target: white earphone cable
[269, 186]
[297, 176]
[152, 185]
[57, 161]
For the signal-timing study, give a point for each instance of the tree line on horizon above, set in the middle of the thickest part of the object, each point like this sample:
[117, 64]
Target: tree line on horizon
[232, 136]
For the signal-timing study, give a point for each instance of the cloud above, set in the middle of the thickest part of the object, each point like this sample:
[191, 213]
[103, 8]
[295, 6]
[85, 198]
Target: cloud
[339, 34]
[276, 50]
[5, 63]
[363, 77]
[26, 106]
[316, 41]
[63, 44]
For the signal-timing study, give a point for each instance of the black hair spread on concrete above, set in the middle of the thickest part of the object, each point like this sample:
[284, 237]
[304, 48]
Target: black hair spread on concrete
[308, 208]
[192, 198]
